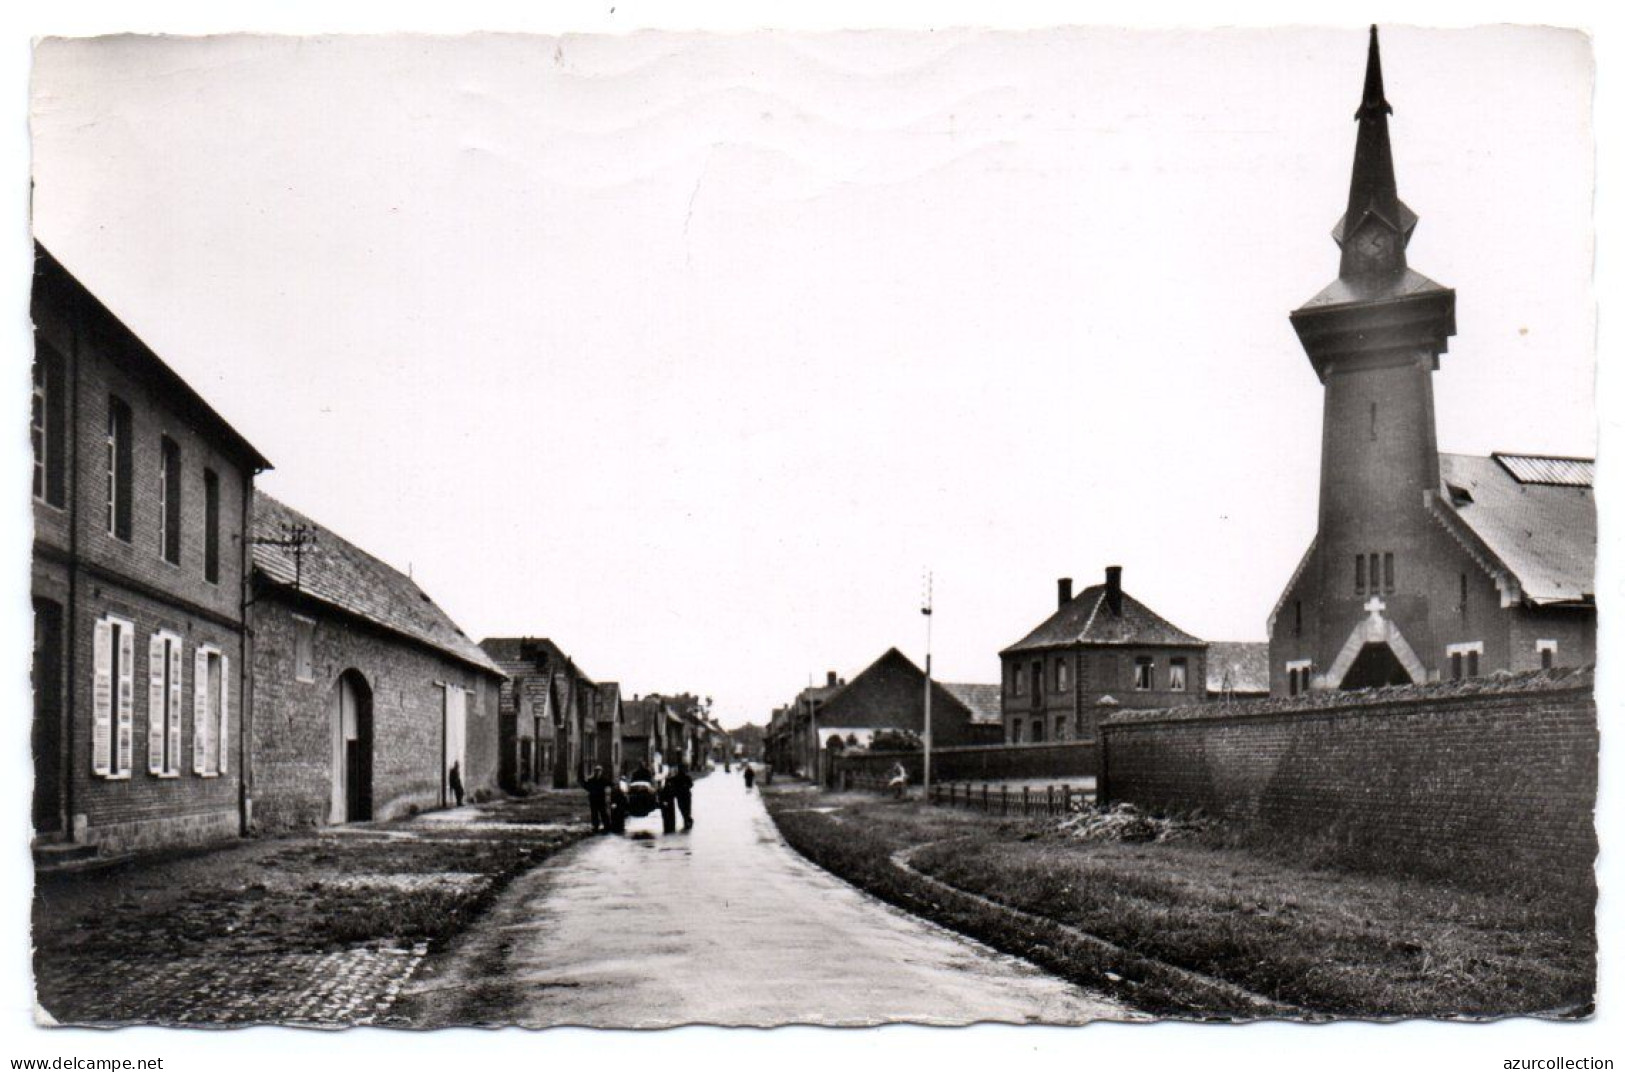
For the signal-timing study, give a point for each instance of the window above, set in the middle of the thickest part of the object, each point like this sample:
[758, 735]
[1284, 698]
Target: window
[1015, 732]
[1388, 571]
[1176, 674]
[1143, 673]
[1297, 617]
[1015, 679]
[211, 526]
[1060, 727]
[1373, 420]
[1037, 671]
[1464, 659]
[47, 427]
[1374, 572]
[1297, 676]
[1461, 600]
[169, 501]
[118, 468]
[164, 705]
[210, 722]
[1376, 578]
[1548, 653]
[1359, 574]
[304, 649]
[1038, 731]
[1060, 675]
[113, 697]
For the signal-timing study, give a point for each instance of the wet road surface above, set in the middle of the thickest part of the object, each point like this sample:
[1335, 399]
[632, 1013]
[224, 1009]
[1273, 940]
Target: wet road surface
[724, 925]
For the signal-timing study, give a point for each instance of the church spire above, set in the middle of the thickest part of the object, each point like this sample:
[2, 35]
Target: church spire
[1376, 228]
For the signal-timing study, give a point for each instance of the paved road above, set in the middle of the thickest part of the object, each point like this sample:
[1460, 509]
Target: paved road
[723, 925]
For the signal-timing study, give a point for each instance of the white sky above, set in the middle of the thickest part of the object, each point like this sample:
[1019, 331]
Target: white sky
[695, 353]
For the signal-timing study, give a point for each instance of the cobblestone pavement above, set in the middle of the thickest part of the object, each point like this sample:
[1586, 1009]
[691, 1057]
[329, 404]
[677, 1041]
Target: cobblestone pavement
[323, 928]
[723, 925]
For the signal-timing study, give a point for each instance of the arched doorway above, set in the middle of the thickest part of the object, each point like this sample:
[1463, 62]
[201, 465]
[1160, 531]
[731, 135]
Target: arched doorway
[1375, 667]
[350, 708]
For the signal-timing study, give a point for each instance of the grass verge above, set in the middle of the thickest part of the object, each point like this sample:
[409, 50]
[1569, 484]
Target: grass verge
[1321, 941]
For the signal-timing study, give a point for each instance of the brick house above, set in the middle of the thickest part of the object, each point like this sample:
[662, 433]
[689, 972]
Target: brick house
[1424, 566]
[1101, 649]
[641, 732]
[609, 717]
[367, 695]
[889, 694]
[555, 717]
[141, 498]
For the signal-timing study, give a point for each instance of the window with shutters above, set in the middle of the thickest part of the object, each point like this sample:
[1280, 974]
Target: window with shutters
[169, 500]
[164, 705]
[112, 697]
[211, 526]
[119, 466]
[47, 428]
[211, 735]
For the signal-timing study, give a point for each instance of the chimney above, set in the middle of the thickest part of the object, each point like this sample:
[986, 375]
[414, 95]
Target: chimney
[1114, 590]
[1063, 591]
[829, 680]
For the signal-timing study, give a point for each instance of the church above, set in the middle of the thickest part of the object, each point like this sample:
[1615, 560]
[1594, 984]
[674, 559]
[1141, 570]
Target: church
[1425, 566]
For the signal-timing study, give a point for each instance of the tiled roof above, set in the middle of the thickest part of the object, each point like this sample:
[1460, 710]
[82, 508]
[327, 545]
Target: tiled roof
[609, 695]
[641, 716]
[1544, 534]
[1238, 666]
[1499, 683]
[1086, 619]
[981, 700]
[337, 572]
[534, 650]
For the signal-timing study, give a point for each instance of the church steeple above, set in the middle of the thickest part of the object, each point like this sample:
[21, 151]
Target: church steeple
[1377, 305]
[1377, 226]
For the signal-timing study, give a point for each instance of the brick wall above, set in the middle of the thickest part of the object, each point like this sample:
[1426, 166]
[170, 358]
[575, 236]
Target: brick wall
[1057, 759]
[293, 723]
[1471, 778]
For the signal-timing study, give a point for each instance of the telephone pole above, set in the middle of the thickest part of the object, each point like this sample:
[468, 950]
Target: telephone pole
[926, 610]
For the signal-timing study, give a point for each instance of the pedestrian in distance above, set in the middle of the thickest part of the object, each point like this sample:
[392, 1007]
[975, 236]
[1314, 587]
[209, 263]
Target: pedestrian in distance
[454, 779]
[750, 777]
[681, 788]
[899, 781]
[597, 788]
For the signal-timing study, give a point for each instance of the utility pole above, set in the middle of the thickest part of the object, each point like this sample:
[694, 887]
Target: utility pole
[926, 610]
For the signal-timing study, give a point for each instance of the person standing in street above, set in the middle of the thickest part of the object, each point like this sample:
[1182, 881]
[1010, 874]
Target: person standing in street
[681, 788]
[750, 777]
[597, 788]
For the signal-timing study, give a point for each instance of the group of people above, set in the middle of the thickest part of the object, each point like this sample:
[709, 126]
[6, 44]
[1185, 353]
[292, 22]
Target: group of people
[606, 796]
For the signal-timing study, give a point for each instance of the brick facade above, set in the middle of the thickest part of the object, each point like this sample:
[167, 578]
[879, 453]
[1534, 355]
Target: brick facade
[405, 682]
[84, 572]
[1469, 777]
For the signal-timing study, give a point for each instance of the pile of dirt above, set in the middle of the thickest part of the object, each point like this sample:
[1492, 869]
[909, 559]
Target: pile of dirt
[1125, 822]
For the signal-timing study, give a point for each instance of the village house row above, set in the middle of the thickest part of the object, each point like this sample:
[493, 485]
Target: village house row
[209, 662]
[1426, 566]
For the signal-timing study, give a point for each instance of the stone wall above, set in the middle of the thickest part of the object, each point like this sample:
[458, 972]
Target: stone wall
[1473, 778]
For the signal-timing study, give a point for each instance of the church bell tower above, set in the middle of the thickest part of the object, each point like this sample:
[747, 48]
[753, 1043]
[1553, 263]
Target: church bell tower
[1373, 337]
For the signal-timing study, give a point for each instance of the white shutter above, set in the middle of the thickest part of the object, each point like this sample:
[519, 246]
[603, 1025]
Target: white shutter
[126, 696]
[223, 738]
[200, 711]
[174, 765]
[157, 661]
[102, 699]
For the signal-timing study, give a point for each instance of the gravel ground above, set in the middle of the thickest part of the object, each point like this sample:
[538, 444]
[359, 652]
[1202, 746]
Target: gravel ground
[323, 927]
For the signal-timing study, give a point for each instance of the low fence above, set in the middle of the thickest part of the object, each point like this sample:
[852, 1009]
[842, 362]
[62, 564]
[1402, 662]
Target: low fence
[1483, 777]
[1003, 799]
[975, 763]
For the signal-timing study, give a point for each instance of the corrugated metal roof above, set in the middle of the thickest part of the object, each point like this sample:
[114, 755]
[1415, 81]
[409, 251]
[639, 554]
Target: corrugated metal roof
[1545, 469]
[340, 574]
[1545, 534]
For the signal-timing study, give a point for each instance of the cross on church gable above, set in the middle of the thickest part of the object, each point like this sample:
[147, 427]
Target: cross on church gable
[1375, 606]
